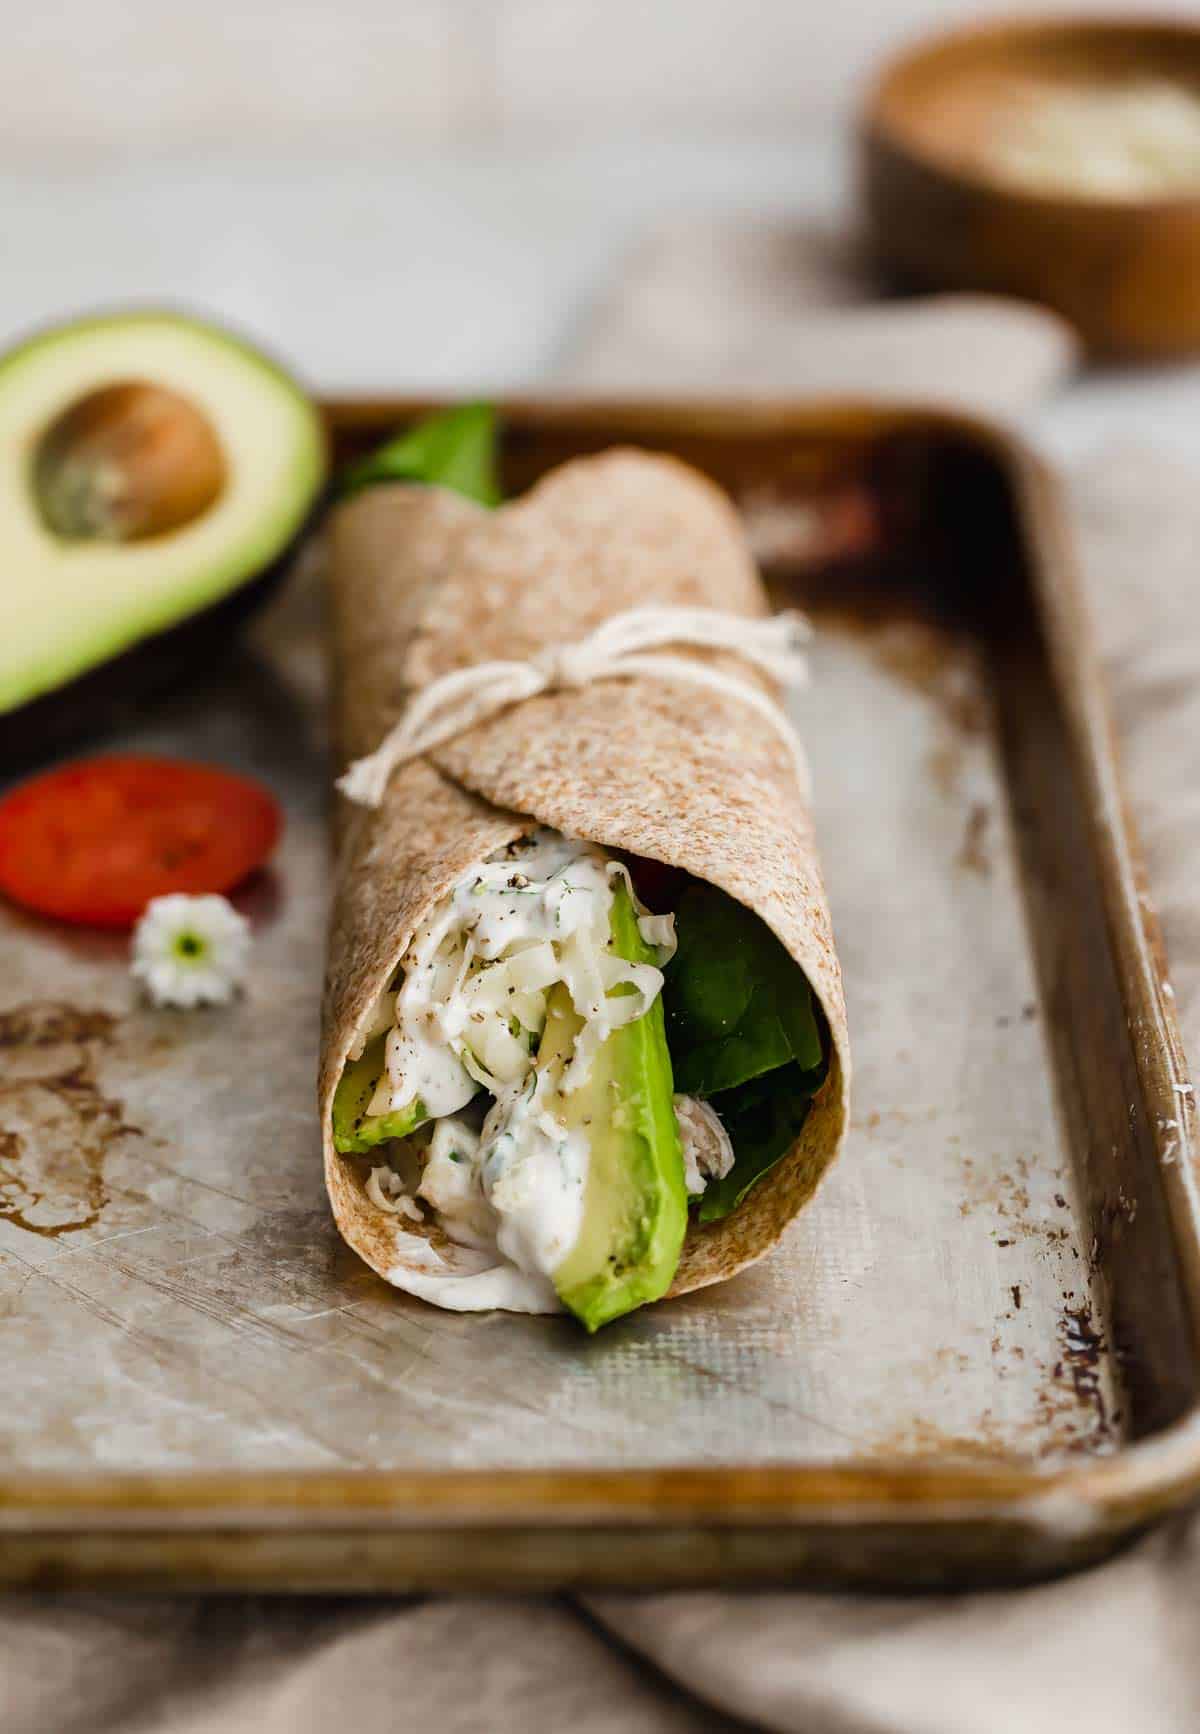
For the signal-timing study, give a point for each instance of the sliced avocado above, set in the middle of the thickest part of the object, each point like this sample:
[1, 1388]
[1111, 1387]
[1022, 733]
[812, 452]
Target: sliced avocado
[354, 1130]
[154, 471]
[635, 1209]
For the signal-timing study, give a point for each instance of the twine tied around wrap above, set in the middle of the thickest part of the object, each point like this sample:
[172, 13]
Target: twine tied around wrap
[621, 646]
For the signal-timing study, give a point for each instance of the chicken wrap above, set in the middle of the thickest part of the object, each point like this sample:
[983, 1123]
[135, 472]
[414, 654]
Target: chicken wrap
[584, 1040]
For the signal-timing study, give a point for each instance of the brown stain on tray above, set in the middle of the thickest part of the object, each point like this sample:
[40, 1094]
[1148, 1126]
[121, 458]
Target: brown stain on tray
[1083, 1354]
[973, 855]
[921, 1440]
[56, 1124]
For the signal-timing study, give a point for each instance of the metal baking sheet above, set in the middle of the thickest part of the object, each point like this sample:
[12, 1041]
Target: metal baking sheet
[177, 1302]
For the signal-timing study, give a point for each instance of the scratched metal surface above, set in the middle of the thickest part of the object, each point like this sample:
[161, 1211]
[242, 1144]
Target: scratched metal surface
[174, 1294]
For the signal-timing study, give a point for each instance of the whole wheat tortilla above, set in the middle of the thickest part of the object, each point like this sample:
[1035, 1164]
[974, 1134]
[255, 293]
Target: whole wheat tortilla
[421, 582]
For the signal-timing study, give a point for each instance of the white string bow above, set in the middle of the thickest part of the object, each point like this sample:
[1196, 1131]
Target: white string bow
[623, 645]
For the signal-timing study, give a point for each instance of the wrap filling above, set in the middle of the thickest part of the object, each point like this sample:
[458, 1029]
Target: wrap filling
[554, 1081]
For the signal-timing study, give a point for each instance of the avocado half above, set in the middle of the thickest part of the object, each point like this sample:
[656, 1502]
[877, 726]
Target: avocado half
[155, 475]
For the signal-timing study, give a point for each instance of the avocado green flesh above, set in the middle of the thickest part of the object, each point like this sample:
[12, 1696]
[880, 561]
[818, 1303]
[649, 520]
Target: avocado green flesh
[354, 1130]
[635, 1207]
[69, 605]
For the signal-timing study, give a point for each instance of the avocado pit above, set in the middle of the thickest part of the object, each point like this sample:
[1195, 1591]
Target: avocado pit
[126, 462]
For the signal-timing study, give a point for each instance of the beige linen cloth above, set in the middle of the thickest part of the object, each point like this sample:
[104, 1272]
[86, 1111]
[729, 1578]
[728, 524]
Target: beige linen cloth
[773, 308]
[1113, 1651]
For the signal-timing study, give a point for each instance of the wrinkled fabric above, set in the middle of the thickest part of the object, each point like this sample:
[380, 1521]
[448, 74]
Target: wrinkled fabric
[83, 1664]
[790, 308]
[1110, 1652]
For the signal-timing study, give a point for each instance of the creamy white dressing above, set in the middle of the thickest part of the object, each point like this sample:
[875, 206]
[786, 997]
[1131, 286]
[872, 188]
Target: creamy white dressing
[451, 1183]
[468, 1016]
[534, 1172]
[464, 1280]
[472, 1004]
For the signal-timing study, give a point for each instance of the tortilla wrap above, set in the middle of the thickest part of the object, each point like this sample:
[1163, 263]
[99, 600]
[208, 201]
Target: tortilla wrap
[423, 581]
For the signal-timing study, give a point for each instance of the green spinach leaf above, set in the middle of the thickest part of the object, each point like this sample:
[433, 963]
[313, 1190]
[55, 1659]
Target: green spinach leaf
[745, 1034]
[763, 1118]
[456, 449]
[736, 1003]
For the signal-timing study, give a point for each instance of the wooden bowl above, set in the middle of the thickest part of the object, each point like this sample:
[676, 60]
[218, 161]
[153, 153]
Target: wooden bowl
[941, 214]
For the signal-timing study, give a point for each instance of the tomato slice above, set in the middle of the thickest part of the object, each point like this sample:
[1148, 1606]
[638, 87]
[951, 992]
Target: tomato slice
[93, 841]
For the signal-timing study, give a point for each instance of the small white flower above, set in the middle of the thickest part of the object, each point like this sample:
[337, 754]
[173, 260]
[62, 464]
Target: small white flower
[190, 950]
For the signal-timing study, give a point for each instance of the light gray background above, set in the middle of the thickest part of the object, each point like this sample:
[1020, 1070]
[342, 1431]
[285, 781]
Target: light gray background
[111, 75]
[430, 192]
